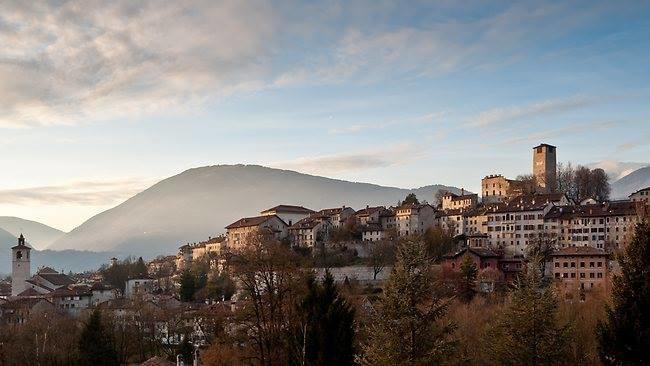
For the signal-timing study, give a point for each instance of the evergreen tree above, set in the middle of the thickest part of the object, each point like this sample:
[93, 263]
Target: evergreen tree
[328, 333]
[468, 274]
[405, 329]
[96, 346]
[188, 286]
[624, 336]
[186, 350]
[527, 332]
[411, 198]
[139, 269]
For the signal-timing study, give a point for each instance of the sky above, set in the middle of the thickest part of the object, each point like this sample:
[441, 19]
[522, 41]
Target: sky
[101, 99]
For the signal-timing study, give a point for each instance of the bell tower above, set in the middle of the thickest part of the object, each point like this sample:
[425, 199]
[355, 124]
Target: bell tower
[20, 270]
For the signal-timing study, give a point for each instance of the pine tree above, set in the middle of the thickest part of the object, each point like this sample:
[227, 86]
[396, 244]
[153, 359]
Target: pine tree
[624, 336]
[527, 332]
[328, 333]
[468, 274]
[96, 346]
[405, 330]
[188, 286]
[139, 269]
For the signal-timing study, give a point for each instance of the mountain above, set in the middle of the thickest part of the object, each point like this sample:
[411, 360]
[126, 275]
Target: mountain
[631, 183]
[617, 169]
[40, 236]
[200, 202]
[6, 242]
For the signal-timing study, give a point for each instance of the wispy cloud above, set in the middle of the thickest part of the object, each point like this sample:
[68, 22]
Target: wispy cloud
[534, 110]
[634, 143]
[424, 119]
[83, 193]
[364, 160]
[559, 132]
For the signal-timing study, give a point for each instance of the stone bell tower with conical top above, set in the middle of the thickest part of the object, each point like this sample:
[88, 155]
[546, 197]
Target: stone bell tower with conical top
[20, 270]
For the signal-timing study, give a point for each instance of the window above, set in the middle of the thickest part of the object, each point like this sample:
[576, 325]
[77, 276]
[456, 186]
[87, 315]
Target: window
[573, 275]
[582, 264]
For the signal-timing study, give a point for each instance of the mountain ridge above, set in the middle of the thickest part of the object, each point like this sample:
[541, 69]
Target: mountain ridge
[39, 234]
[200, 202]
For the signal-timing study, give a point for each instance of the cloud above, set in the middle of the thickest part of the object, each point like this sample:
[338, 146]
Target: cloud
[338, 163]
[70, 62]
[86, 193]
[559, 132]
[529, 111]
[633, 144]
[418, 120]
[74, 62]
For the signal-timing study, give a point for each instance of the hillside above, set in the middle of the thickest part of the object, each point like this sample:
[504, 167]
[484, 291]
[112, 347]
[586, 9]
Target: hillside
[631, 183]
[40, 235]
[200, 202]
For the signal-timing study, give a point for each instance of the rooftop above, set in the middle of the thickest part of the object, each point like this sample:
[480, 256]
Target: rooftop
[287, 209]
[583, 250]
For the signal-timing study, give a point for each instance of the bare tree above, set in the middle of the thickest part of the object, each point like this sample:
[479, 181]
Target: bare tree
[381, 254]
[566, 180]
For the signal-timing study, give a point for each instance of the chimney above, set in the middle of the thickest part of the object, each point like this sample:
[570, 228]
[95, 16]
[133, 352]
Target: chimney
[462, 191]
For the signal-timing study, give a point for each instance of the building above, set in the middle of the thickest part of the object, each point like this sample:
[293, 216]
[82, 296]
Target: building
[369, 215]
[642, 195]
[545, 167]
[47, 280]
[483, 258]
[512, 226]
[607, 226]
[20, 266]
[288, 213]
[497, 188]
[583, 267]
[337, 216]
[242, 231]
[310, 231]
[451, 201]
[412, 219]
[138, 286]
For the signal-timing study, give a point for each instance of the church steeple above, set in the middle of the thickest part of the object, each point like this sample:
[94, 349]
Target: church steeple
[20, 271]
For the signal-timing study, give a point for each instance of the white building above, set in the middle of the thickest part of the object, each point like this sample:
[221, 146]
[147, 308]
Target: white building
[240, 232]
[414, 219]
[513, 226]
[288, 213]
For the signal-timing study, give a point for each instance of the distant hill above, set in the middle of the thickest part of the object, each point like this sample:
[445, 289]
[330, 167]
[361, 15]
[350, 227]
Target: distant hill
[6, 242]
[631, 183]
[40, 236]
[200, 202]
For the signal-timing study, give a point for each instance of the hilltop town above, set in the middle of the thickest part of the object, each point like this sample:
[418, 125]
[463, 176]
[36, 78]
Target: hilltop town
[557, 215]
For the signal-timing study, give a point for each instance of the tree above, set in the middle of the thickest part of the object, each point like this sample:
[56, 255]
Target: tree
[271, 283]
[526, 184]
[566, 179]
[188, 286]
[438, 242]
[405, 329]
[439, 195]
[624, 336]
[220, 286]
[527, 332]
[411, 198]
[186, 350]
[328, 329]
[139, 269]
[600, 185]
[381, 254]
[468, 274]
[96, 347]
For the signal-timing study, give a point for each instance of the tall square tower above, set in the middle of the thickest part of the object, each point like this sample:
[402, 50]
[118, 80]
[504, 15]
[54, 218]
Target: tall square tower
[545, 167]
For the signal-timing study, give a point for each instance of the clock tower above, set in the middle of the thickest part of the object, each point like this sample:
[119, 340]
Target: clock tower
[20, 270]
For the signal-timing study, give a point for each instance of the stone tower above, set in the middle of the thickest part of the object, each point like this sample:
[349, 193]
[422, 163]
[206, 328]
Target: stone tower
[20, 270]
[545, 167]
